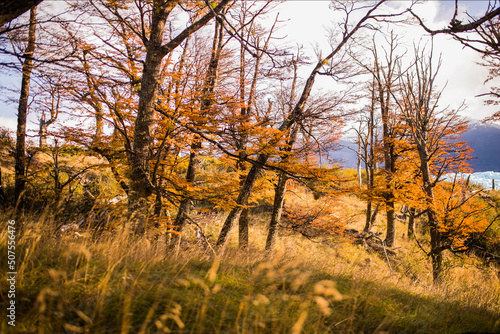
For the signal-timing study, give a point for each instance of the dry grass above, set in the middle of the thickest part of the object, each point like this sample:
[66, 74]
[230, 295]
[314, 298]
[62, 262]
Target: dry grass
[124, 284]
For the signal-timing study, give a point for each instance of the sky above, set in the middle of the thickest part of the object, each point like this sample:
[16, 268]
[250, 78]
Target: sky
[460, 74]
[307, 23]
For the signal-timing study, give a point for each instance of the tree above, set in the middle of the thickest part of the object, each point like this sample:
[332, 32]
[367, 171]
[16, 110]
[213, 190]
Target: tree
[112, 88]
[294, 115]
[251, 32]
[141, 186]
[207, 99]
[367, 143]
[280, 186]
[384, 76]
[434, 133]
[51, 104]
[20, 167]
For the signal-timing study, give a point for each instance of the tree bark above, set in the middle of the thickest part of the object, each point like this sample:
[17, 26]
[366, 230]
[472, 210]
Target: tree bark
[411, 222]
[140, 186]
[370, 163]
[436, 251]
[389, 165]
[279, 198]
[390, 237]
[242, 143]
[20, 166]
[389, 168]
[368, 217]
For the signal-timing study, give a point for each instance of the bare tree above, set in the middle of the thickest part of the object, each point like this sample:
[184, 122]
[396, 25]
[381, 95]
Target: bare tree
[53, 91]
[20, 167]
[367, 142]
[486, 40]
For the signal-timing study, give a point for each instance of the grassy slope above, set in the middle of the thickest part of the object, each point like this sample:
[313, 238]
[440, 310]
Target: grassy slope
[123, 285]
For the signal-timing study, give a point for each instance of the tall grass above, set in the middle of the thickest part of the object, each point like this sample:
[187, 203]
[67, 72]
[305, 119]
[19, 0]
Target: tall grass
[118, 283]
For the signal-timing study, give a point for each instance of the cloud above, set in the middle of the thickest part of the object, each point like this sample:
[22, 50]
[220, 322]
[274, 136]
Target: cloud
[9, 122]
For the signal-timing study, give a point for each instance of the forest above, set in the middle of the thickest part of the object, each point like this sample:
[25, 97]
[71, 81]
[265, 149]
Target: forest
[183, 177]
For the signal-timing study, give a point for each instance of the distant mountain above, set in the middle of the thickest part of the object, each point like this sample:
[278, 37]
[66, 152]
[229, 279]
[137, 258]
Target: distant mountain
[483, 138]
[346, 155]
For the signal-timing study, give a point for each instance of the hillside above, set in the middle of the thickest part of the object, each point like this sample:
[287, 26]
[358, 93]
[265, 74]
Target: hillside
[173, 169]
[326, 283]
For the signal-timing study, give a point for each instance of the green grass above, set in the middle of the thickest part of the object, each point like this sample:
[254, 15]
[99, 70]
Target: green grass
[123, 284]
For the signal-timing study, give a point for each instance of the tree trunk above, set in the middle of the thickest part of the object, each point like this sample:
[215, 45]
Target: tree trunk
[242, 199]
[186, 203]
[158, 200]
[391, 224]
[411, 222]
[368, 217]
[279, 191]
[436, 252]
[10, 9]
[140, 183]
[358, 165]
[279, 198]
[20, 166]
[140, 186]
[242, 144]
[243, 229]
[370, 163]
[389, 167]
[42, 133]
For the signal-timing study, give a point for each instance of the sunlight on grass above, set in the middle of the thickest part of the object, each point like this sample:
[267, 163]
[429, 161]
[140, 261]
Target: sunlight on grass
[122, 284]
